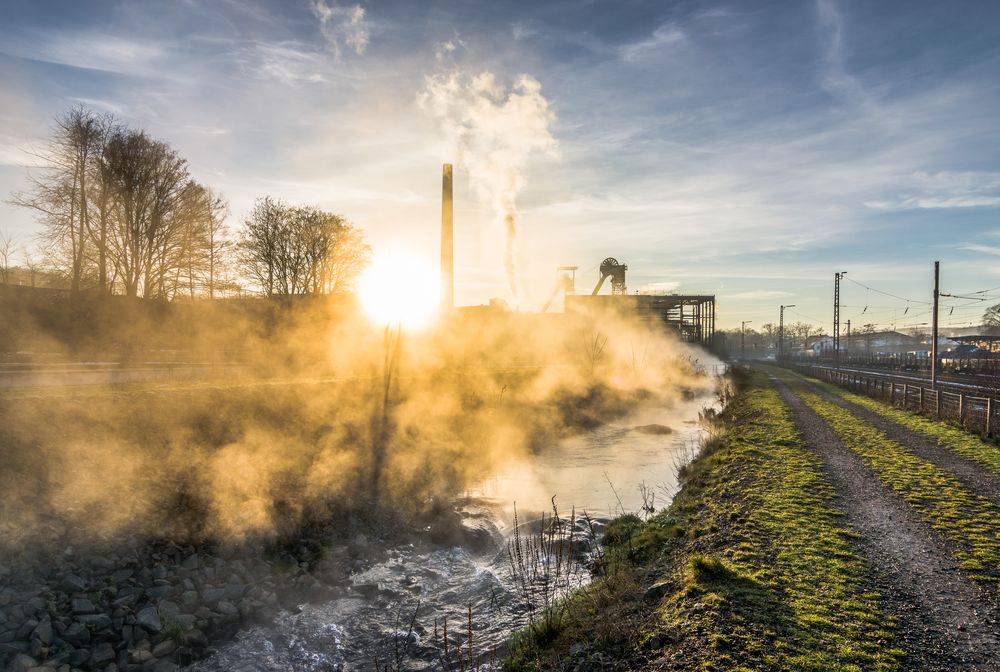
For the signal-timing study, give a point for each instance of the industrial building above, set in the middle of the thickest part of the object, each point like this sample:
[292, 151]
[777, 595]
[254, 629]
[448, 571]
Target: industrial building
[692, 317]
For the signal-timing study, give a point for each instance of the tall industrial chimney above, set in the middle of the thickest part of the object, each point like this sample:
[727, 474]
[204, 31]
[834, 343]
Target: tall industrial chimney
[447, 243]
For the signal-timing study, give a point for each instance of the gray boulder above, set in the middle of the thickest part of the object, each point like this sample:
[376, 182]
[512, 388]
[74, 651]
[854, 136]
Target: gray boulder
[227, 608]
[168, 609]
[102, 654]
[164, 648]
[22, 662]
[149, 619]
[43, 632]
[77, 634]
[82, 605]
[96, 622]
[71, 583]
[27, 628]
[211, 595]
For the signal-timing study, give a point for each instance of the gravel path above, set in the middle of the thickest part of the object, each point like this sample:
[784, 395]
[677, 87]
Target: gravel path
[945, 621]
[973, 476]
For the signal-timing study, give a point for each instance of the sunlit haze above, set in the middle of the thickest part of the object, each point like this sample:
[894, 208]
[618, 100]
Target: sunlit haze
[399, 288]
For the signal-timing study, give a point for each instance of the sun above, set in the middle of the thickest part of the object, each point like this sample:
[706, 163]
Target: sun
[400, 289]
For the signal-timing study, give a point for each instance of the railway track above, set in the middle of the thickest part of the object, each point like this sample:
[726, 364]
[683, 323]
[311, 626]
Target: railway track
[960, 384]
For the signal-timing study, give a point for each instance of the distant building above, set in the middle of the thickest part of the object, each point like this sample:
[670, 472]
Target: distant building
[975, 345]
[881, 343]
[819, 346]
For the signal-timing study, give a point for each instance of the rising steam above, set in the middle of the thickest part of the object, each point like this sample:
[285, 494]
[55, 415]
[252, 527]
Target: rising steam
[495, 129]
[291, 440]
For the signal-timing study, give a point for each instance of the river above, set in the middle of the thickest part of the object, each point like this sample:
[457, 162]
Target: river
[395, 611]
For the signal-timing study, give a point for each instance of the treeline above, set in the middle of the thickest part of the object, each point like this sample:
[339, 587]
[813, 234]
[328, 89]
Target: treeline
[123, 215]
[767, 337]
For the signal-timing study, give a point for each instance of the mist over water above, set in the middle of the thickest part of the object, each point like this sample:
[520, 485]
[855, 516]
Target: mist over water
[316, 424]
[398, 456]
[602, 471]
[391, 608]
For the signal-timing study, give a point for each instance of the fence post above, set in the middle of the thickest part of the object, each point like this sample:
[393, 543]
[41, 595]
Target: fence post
[921, 399]
[989, 413]
[906, 395]
[961, 409]
[937, 403]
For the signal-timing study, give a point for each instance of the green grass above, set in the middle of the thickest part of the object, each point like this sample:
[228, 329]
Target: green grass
[970, 522]
[956, 439]
[751, 568]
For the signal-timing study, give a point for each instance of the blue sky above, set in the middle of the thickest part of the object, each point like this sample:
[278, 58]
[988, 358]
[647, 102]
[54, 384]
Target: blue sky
[746, 149]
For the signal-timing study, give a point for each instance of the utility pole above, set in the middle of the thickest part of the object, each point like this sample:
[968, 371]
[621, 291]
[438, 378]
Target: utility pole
[781, 330]
[934, 325]
[848, 338]
[743, 338]
[836, 317]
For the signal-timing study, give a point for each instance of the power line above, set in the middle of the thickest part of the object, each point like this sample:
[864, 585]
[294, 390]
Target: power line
[811, 319]
[879, 291]
[983, 291]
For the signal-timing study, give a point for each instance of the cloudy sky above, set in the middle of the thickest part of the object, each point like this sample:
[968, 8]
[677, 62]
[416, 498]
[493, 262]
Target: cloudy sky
[747, 149]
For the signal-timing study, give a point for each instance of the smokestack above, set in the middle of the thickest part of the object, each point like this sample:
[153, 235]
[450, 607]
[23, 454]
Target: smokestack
[447, 243]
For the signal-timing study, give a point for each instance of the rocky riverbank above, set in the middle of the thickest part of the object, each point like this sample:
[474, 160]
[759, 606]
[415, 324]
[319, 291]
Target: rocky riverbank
[156, 606]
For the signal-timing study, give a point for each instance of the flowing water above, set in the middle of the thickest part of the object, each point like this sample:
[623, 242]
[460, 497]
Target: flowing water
[395, 610]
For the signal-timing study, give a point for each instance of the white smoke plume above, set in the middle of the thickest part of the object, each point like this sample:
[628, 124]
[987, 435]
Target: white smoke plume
[342, 25]
[495, 129]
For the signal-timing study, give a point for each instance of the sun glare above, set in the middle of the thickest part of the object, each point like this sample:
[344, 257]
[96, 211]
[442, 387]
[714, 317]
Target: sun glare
[400, 288]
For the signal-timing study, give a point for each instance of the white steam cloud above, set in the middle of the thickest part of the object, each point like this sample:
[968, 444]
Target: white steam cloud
[495, 129]
[342, 25]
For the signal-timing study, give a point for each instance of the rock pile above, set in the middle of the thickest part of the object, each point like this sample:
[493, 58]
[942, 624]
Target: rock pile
[148, 611]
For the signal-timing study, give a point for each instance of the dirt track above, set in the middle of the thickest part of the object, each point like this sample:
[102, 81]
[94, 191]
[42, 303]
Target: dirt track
[945, 621]
[978, 480]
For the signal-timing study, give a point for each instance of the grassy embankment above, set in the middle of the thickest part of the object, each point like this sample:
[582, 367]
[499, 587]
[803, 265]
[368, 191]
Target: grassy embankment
[749, 569]
[956, 439]
[970, 522]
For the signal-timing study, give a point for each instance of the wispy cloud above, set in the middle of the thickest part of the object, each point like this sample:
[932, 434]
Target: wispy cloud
[288, 62]
[90, 50]
[982, 249]
[664, 36]
[945, 189]
[836, 79]
[342, 26]
[759, 295]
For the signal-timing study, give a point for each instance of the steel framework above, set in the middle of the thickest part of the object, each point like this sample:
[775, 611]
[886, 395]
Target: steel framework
[691, 316]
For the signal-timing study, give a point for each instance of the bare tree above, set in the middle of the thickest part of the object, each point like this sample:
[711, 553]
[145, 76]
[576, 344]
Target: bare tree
[300, 250]
[203, 241]
[102, 200]
[866, 331]
[991, 319]
[802, 331]
[121, 208]
[346, 260]
[152, 189]
[770, 330]
[8, 249]
[30, 265]
[258, 244]
[59, 192]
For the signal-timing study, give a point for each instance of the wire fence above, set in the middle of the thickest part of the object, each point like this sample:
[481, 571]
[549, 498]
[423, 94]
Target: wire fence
[977, 413]
[981, 366]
